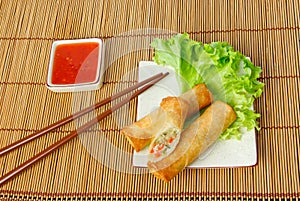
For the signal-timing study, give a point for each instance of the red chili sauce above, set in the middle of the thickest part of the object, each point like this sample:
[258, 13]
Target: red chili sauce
[75, 63]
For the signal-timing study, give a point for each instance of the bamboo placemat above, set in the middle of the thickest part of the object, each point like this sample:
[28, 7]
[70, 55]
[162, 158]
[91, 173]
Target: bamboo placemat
[267, 31]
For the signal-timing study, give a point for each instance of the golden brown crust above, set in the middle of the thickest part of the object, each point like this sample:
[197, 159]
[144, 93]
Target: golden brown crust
[198, 98]
[176, 109]
[137, 143]
[140, 133]
[171, 113]
[144, 122]
[194, 140]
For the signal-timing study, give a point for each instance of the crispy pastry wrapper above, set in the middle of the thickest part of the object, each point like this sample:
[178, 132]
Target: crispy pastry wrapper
[198, 98]
[172, 112]
[194, 140]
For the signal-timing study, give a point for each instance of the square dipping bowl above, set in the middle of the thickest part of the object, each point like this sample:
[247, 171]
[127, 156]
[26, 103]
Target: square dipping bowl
[76, 65]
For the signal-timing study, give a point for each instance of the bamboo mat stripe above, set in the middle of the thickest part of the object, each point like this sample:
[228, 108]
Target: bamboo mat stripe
[116, 130]
[262, 79]
[85, 168]
[157, 195]
[108, 82]
[159, 34]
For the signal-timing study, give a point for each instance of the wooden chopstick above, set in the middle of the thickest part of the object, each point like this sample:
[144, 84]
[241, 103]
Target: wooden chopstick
[57, 124]
[75, 133]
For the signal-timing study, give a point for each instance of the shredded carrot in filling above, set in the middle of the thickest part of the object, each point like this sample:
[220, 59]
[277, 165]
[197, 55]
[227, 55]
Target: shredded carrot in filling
[163, 143]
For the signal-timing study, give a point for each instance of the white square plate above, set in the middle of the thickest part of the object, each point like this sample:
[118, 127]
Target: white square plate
[229, 153]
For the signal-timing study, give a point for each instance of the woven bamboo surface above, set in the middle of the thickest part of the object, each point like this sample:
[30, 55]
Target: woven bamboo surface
[266, 31]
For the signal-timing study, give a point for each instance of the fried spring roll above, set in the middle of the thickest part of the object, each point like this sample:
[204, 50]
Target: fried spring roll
[169, 117]
[194, 140]
[198, 98]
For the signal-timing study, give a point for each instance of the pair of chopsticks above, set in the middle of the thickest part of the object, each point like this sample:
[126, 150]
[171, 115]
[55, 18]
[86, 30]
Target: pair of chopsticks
[148, 83]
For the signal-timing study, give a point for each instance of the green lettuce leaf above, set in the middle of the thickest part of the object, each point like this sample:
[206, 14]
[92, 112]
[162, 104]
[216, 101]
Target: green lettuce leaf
[228, 74]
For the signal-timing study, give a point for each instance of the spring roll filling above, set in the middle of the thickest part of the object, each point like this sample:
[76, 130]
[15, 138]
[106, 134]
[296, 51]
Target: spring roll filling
[164, 144]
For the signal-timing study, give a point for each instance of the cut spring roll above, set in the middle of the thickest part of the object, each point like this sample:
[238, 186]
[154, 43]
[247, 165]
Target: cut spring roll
[169, 116]
[194, 140]
[141, 133]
